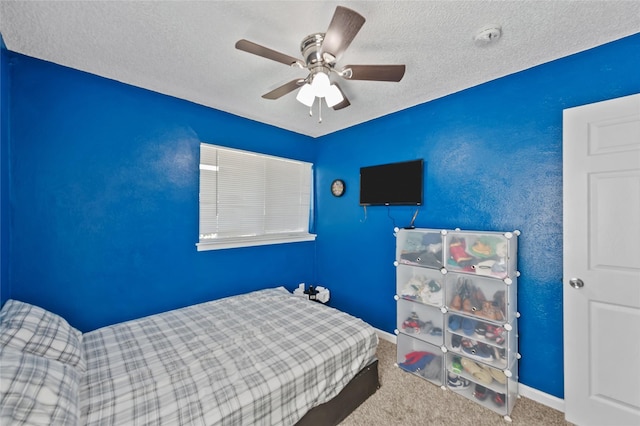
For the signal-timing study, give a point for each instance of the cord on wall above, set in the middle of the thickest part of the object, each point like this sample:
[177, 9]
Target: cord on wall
[365, 214]
[413, 219]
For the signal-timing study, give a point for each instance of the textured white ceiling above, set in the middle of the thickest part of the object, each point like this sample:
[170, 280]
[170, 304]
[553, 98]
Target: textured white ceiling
[186, 48]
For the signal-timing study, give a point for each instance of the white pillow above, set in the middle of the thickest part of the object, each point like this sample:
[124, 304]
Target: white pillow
[37, 391]
[29, 328]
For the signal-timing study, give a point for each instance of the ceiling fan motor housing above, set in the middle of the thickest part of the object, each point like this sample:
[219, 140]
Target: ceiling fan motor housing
[311, 50]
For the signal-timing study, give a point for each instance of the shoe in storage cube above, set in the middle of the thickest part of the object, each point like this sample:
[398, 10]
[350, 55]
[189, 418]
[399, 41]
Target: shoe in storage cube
[486, 298]
[420, 248]
[488, 386]
[482, 253]
[422, 285]
[421, 358]
[421, 321]
[481, 340]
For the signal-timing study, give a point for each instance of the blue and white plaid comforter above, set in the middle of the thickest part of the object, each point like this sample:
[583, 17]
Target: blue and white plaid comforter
[263, 358]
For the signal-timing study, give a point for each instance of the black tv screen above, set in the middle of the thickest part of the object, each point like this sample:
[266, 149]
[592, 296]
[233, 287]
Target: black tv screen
[392, 184]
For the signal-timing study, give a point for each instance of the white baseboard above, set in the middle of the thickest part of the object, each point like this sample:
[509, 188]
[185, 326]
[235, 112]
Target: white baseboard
[524, 390]
[387, 336]
[541, 397]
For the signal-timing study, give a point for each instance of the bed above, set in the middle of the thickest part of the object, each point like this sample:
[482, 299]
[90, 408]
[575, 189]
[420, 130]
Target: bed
[264, 358]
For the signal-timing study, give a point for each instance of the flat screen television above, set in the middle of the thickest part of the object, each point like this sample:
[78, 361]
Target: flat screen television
[392, 184]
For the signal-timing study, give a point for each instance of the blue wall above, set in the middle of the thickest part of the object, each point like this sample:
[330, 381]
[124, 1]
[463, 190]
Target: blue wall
[104, 194]
[5, 288]
[105, 199]
[493, 161]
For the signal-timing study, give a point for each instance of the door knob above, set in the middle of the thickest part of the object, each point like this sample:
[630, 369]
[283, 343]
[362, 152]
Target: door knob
[576, 283]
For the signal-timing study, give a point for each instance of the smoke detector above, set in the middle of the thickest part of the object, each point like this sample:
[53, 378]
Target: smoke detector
[488, 34]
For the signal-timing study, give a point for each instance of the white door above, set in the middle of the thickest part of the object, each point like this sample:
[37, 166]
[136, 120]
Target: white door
[601, 283]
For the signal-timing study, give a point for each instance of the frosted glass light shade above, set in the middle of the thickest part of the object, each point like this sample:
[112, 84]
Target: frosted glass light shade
[306, 95]
[320, 84]
[333, 96]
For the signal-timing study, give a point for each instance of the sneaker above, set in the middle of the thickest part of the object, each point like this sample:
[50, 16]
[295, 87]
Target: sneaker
[411, 326]
[481, 328]
[435, 298]
[436, 331]
[434, 287]
[491, 332]
[467, 344]
[454, 322]
[495, 334]
[426, 327]
[476, 350]
[456, 365]
[456, 382]
[468, 326]
[498, 398]
[484, 351]
[458, 254]
[480, 392]
[455, 342]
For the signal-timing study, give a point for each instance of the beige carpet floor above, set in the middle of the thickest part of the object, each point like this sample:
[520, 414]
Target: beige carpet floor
[407, 400]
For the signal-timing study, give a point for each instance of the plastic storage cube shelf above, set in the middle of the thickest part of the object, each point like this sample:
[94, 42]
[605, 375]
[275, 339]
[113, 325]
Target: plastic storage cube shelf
[456, 294]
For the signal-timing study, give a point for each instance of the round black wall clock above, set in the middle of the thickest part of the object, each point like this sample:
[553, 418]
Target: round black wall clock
[338, 187]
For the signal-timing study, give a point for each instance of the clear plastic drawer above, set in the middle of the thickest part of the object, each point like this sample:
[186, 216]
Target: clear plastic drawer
[485, 298]
[490, 254]
[420, 321]
[487, 386]
[478, 340]
[420, 285]
[421, 358]
[420, 248]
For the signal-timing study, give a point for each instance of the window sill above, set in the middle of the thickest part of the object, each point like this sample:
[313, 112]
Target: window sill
[227, 243]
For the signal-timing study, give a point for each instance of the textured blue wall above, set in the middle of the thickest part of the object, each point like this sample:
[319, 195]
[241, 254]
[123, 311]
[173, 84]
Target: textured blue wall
[105, 199]
[5, 288]
[493, 161]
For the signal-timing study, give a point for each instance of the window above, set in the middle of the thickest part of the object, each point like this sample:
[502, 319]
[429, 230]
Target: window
[250, 199]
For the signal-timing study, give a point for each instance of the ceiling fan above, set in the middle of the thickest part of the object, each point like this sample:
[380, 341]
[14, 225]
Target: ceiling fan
[321, 52]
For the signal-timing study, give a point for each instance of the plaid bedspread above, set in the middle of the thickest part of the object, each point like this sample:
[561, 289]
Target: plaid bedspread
[263, 358]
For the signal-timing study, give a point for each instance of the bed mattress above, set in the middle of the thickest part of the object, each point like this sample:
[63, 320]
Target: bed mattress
[263, 358]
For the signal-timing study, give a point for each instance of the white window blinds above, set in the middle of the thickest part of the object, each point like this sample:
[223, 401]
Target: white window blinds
[252, 199]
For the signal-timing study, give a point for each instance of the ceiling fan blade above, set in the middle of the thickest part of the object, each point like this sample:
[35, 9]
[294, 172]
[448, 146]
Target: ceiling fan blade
[345, 103]
[284, 89]
[265, 52]
[343, 28]
[373, 72]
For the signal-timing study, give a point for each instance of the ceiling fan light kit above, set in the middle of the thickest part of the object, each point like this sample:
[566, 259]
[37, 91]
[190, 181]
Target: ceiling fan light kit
[321, 52]
[320, 87]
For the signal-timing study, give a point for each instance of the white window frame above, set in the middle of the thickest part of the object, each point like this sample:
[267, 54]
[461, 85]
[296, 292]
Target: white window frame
[261, 199]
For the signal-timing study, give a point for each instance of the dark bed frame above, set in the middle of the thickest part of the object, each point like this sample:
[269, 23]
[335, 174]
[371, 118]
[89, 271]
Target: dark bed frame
[332, 412]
